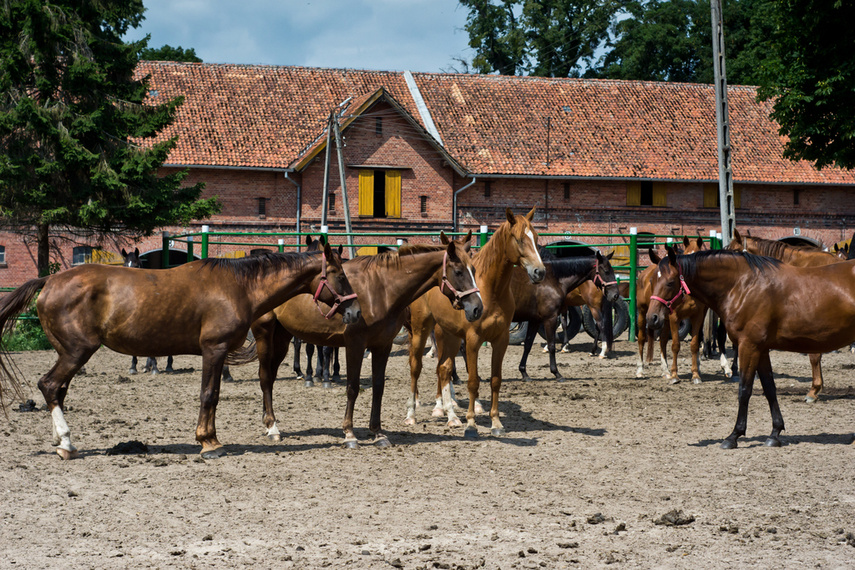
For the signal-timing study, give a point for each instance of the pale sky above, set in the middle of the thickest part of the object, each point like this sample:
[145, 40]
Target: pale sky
[388, 35]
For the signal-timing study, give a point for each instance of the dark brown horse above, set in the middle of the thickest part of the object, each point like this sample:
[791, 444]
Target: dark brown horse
[514, 243]
[386, 284]
[799, 256]
[542, 303]
[765, 305]
[204, 307]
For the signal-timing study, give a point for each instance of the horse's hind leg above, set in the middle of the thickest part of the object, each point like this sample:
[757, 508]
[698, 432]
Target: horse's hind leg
[310, 354]
[749, 361]
[298, 372]
[551, 326]
[695, 346]
[530, 333]
[213, 358]
[133, 368]
[151, 366]
[764, 370]
[816, 384]
[54, 387]
[418, 333]
[447, 348]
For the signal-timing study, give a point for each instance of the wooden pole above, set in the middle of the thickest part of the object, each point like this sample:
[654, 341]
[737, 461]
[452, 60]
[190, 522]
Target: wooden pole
[725, 172]
[341, 176]
[327, 172]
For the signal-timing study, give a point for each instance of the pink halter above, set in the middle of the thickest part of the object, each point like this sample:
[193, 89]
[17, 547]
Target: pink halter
[673, 302]
[339, 299]
[458, 295]
[599, 281]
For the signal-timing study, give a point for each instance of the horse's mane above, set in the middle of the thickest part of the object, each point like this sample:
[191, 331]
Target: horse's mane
[778, 249]
[489, 253]
[393, 257]
[759, 263]
[568, 266]
[251, 267]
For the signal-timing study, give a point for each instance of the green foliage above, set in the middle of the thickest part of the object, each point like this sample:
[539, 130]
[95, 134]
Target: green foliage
[169, 53]
[811, 77]
[71, 122]
[28, 334]
[547, 38]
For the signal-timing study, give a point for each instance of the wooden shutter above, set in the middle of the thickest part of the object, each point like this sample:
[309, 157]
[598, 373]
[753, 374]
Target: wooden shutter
[633, 193]
[393, 194]
[660, 193]
[710, 195]
[366, 192]
[737, 196]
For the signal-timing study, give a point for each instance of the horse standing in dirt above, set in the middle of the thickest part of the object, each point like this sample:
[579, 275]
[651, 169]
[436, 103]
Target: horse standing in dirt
[692, 309]
[203, 307]
[386, 284]
[594, 298]
[541, 303]
[802, 256]
[765, 305]
[514, 243]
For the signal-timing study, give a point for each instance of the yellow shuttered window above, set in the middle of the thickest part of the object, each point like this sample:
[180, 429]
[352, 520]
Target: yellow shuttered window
[660, 194]
[366, 192]
[737, 196]
[710, 195]
[633, 193]
[393, 194]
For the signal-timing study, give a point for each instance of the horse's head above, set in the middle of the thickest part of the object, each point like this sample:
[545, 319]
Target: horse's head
[690, 246]
[315, 244]
[737, 243]
[458, 277]
[521, 249]
[334, 289]
[604, 277]
[668, 289]
[131, 259]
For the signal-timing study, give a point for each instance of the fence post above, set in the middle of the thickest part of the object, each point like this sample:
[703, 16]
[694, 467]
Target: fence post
[633, 281]
[189, 249]
[204, 252]
[164, 251]
[281, 245]
[482, 237]
[713, 245]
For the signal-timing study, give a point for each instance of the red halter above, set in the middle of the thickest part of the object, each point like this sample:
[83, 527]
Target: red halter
[673, 302]
[339, 299]
[599, 281]
[458, 295]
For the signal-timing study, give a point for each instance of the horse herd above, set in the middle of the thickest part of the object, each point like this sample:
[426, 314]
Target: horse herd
[768, 298]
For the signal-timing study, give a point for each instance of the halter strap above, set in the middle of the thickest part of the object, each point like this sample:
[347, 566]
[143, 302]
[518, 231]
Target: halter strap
[676, 299]
[458, 295]
[339, 299]
[599, 281]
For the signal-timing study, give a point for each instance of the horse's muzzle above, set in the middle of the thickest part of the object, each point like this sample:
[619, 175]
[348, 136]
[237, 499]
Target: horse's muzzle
[536, 274]
[473, 309]
[654, 321]
[351, 314]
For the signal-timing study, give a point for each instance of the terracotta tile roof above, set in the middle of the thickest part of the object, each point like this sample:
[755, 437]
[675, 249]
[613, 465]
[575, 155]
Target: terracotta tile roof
[267, 116]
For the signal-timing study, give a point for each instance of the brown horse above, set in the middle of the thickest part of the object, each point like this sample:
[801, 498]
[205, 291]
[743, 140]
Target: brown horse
[592, 296]
[801, 256]
[765, 305]
[692, 310]
[514, 243]
[542, 303]
[386, 284]
[204, 307]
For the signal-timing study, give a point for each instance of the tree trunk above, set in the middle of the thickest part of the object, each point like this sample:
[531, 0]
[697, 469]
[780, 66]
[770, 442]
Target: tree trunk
[43, 249]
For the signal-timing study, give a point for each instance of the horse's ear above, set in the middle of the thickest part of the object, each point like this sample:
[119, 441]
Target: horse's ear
[308, 239]
[451, 251]
[467, 242]
[468, 237]
[322, 238]
[700, 242]
[530, 215]
[510, 216]
[327, 251]
[610, 255]
[736, 236]
[686, 241]
[137, 251]
[672, 257]
[654, 259]
[443, 238]
[124, 253]
[340, 249]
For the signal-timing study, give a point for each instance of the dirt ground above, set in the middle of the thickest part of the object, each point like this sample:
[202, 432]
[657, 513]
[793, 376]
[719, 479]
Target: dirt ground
[604, 470]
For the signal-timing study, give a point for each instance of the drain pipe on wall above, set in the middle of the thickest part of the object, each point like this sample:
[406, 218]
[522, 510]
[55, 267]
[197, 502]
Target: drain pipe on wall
[299, 206]
[454, 202]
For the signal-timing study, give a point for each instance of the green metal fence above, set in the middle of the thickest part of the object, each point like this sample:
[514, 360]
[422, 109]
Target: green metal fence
[626, 266]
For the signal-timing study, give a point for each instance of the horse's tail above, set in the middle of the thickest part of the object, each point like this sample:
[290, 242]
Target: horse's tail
[11, 306]
[246, 354]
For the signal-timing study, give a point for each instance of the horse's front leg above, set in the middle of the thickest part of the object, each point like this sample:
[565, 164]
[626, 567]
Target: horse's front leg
[642, 339]
[499, 345]
[379, 359]
[213, 358]
[354, 352]
[271, 343]
[336, 376]
[767, 380]
[816, 373]
[418, 337]
[133, 368]
[670, 373]
[327, 352]
[551, 327]
[473, 344]
[310, 354]
[749, 359]
[447, 348]
[298, 371]
[695, 346]
[530, 334]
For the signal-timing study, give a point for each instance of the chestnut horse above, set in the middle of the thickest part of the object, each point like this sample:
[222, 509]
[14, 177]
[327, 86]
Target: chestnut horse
[589, 294]
[799, 256]
[765, 305]
[692, 309]
[541, 304]
[386, 284]
[203, 307]
[514, 243]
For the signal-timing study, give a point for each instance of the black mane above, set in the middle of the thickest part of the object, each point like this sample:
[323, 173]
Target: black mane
[569, 266]
[251, 267]
[688, 263]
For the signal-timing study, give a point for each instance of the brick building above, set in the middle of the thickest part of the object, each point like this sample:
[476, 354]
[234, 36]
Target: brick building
[594, 156]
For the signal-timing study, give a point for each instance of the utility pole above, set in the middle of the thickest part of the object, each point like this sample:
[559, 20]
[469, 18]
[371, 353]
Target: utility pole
[725, 172]
[326, 175]
[339, 151]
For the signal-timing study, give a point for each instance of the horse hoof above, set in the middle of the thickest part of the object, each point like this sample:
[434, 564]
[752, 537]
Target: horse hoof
[497, 432]
[675, 380]
[274, 437]
[351, 444]
[65, 454]
[470, 433]
[410, 422]
[213, 453]
[696, 380]
[479, 409]
[454, 423]
[560, 378]
[382, 442]
[437, 413]
[132, 371]
[327, 385]
[773, 442]
[728, 444]
[309, 384]
[810, 399]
